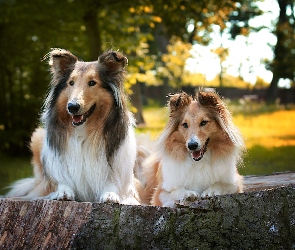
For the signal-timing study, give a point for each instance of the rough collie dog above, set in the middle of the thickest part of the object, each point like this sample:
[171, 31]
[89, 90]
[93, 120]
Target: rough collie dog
[197, 153]
[87, 148]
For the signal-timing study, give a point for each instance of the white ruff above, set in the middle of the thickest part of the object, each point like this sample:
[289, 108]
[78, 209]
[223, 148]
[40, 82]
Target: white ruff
[83, 167]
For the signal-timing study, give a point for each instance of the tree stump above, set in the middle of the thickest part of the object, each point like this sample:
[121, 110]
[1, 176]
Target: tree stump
[261, 218]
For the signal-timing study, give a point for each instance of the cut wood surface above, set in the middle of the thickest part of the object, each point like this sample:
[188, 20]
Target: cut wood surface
[263, 182]
[256, 219]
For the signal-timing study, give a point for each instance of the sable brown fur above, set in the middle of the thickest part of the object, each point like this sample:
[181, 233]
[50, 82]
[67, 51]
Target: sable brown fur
[86, 149]
[177, 171]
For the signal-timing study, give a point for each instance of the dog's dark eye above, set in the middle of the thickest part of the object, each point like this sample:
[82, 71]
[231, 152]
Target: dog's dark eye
[71, 83]
[203, 123]
[185, 125]
[91, 83]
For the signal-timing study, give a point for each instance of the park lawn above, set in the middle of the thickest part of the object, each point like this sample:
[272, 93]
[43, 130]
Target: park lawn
[270, 142]
[269, 137]
[269, 130]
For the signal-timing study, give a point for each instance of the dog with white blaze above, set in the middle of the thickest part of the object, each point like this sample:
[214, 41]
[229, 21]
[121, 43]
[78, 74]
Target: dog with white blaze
[86, 149]
[197, 152]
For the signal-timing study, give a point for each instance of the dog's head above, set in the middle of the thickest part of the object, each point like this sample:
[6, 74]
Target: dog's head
[87, 93]
[82, 89]
[201, 122]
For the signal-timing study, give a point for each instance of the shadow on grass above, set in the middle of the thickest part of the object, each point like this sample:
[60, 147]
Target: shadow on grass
[261, 161]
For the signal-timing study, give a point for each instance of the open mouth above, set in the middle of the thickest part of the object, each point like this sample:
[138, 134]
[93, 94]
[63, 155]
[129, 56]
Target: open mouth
[198, 154]
[80, 119]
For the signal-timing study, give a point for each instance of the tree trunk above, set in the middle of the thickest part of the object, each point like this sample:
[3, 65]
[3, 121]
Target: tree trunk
[272, 91]
[136, 99]
[279, 53]
[92, 29]
[162, 41]
[161, 38]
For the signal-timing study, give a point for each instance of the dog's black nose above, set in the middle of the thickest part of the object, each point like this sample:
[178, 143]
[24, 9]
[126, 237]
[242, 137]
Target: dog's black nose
[192, 145]
[73, 107]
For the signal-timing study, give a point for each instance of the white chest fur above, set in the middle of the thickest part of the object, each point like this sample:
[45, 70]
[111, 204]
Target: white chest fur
[196, 175]
[82, 166]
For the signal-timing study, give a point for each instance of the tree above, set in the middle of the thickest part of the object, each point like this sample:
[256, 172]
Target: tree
[141, 30]
[28, 30]
[222, 54]
[283, 65]
[174, 61]
[230, 17]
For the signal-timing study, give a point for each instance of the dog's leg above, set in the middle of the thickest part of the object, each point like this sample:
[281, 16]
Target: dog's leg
[110, 194]
[220, 188]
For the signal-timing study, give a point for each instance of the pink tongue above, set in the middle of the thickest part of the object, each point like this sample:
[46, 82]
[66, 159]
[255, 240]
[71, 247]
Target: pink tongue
[196, 154]
[77, 118]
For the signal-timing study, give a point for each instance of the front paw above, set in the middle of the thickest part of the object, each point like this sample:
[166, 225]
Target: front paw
[61, 195]
[210, 192]
[109, 197]
[184, 195]
[190, 196]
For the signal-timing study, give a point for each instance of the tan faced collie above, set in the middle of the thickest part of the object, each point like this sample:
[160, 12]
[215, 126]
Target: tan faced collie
[87, 148]
[197, 153]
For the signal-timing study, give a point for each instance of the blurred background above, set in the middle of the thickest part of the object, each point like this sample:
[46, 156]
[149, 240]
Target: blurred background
[243, 49]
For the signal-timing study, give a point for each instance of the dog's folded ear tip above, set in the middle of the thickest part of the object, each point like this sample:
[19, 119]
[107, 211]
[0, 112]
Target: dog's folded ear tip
[118, 56]
[170, 95]
[58, 52]
[111, 58]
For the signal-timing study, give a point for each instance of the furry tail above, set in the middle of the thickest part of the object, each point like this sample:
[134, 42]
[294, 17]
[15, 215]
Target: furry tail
[21, 188]
[38, 185]
[31, 188]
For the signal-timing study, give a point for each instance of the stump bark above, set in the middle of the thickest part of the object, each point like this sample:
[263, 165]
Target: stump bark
[256, 219]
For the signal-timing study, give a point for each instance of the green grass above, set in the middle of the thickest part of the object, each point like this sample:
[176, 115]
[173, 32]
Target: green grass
[155, 119]
[12, 169]
[261, 160]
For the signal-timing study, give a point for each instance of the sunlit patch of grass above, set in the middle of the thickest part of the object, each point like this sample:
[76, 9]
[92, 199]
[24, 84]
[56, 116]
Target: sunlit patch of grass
[155, 121]
[269, 129]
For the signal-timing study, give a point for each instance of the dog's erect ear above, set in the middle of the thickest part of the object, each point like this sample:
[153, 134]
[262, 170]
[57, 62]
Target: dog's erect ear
[221, 114]
[178, 101]
[61, 62]
[113, 62]
[112, 72]
[210, 99]
[215, 103]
